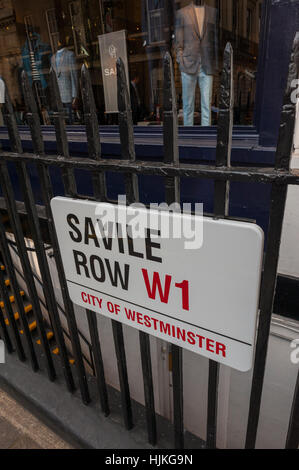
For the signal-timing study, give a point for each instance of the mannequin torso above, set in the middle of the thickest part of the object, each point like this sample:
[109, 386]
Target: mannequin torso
[196, 38]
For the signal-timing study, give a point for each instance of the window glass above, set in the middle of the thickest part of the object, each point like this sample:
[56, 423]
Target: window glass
[62, 34]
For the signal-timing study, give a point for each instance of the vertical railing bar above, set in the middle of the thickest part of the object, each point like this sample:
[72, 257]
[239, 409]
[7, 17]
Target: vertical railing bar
[67, 180]
[99, 187]
[47, 195]
[178, 399]
[224, 132]
[277, 208]
[127, 149]
[11, 318]
[288, 114]
[45, 274]
[221, 207]
[149, 399]
[292, 441]
[90, 115]
[70, 188]
[17, 229]
[123, 373]
[170, 118]
[268, 285]
[51, 303]
[126, 131]
[212, 409]
[11, 123]
[32, 116]
[16, 146]
[68, 176]
[172, 195]
[91, 359]
[121, 361]
[92, 131]
[122, 370]
[98, 361]
[99, 184]
[5, 251]
[5, 336]
[3, 328]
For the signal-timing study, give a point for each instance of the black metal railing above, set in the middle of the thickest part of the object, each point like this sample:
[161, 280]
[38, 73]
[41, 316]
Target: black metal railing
[89, 360]
[279, 177]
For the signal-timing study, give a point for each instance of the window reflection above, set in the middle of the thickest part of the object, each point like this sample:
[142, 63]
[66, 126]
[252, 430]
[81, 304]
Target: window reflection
[35, 36]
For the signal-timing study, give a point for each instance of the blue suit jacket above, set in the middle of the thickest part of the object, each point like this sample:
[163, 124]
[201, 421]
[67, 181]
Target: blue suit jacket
[67, 76]
[42, 54]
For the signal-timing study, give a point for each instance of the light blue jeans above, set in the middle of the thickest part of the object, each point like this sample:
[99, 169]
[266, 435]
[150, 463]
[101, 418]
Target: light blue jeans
[205, 83]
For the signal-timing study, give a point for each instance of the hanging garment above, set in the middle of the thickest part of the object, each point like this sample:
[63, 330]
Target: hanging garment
[66, 72]
[36, 60]
[193, 49]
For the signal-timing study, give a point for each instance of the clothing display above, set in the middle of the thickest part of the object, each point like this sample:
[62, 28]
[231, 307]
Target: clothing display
[205, 83]
[36, 59]
[196, 41]
[58, 57]
[64, 65]
[36, 63]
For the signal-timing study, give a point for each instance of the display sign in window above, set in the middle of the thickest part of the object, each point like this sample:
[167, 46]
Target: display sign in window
[112, 46]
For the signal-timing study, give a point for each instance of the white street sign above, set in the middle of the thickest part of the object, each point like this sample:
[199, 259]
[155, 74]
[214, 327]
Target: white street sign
[203, 299]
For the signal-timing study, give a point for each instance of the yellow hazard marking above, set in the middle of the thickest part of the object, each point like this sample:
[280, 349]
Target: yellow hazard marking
[32, 326]
[11, 299]
[27, 309]
[50, 335]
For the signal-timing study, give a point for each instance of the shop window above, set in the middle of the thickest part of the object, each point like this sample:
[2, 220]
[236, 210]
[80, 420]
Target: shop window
[63, 34]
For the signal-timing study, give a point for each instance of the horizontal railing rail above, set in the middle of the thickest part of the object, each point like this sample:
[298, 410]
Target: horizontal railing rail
[242, 174]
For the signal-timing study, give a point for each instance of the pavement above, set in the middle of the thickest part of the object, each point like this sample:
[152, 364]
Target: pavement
[19, 429]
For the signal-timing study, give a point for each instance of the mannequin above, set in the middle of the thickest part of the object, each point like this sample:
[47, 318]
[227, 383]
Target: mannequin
[64, 64]
[196, 38]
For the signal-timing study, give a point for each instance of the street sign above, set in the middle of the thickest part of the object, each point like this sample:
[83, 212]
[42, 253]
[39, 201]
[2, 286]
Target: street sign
[202, 296]
[112, 46]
